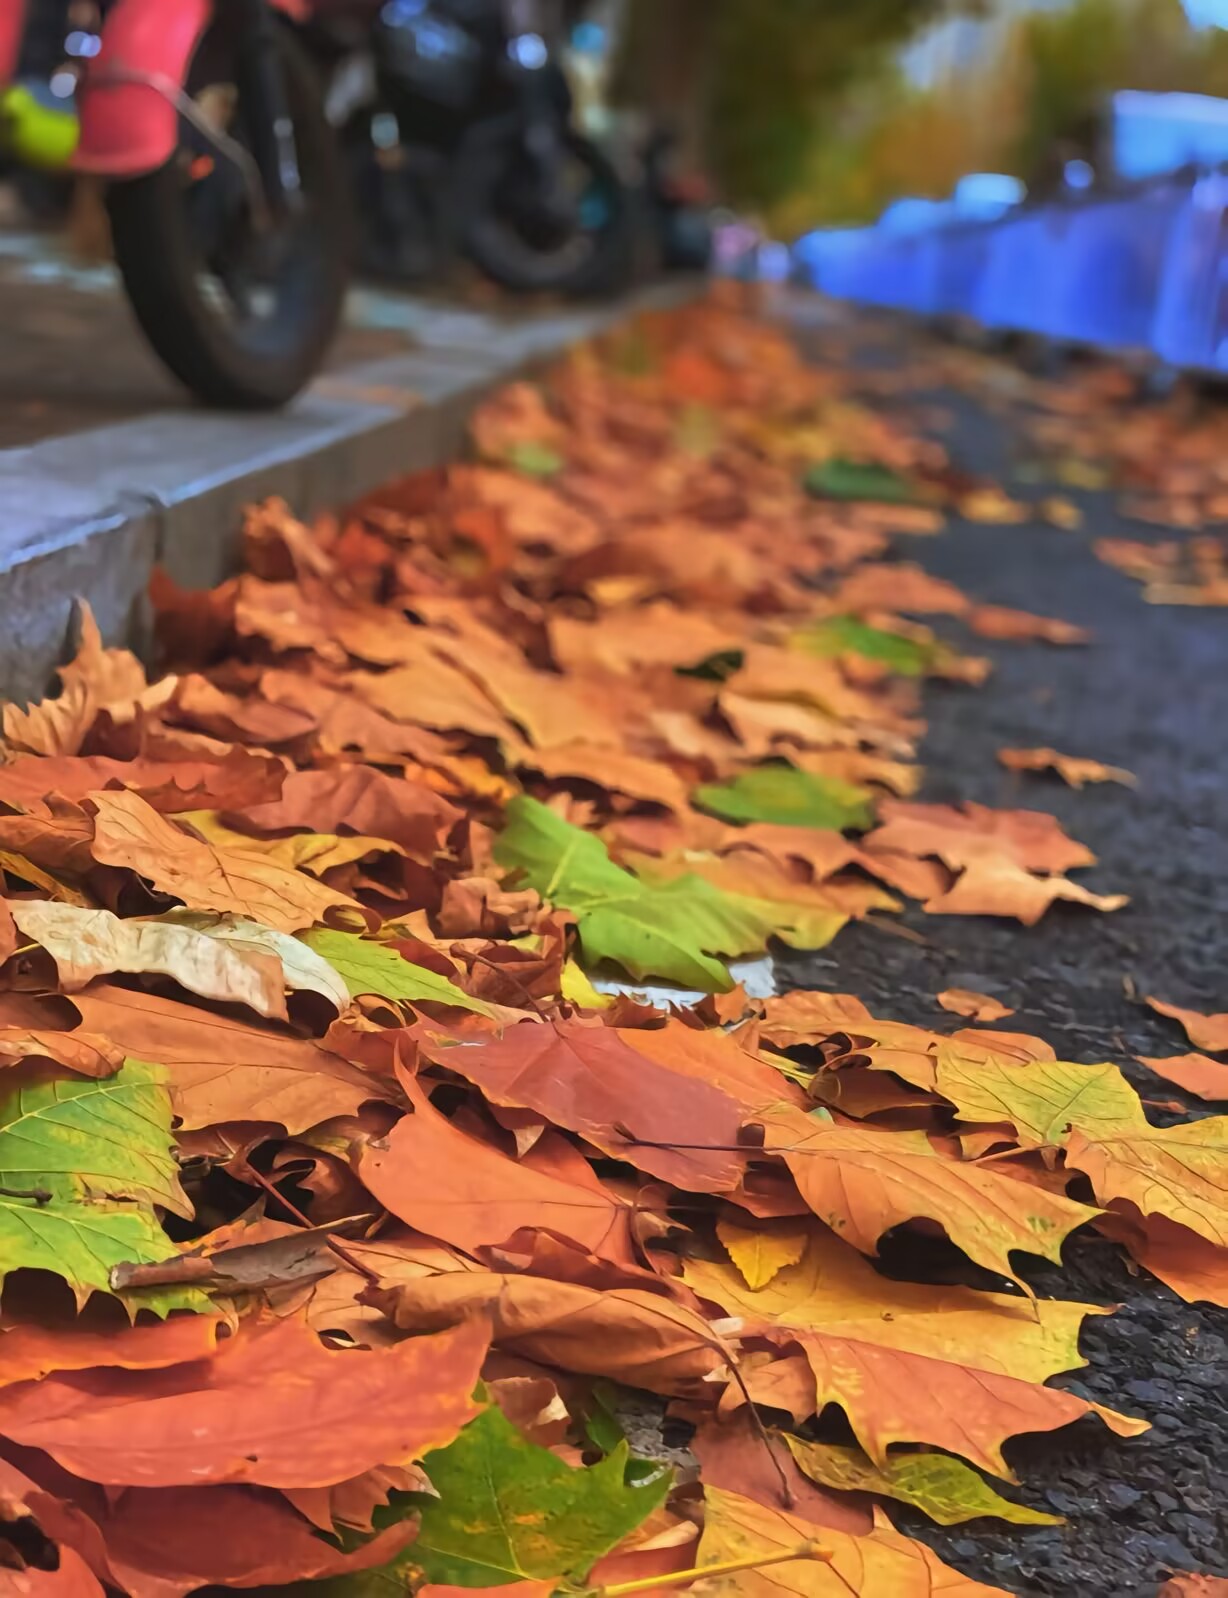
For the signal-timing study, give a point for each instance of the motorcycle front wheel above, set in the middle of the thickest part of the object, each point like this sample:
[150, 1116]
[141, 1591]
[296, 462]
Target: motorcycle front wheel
[506, 238]
[241, 309]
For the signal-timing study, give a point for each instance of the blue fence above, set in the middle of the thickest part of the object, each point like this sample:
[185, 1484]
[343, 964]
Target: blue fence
[1143, 268]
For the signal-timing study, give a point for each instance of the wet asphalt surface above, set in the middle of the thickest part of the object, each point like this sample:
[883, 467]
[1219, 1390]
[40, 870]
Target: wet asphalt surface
[1149, 693]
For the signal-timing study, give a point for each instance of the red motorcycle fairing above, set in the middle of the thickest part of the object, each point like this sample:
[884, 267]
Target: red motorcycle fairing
[129, 121]
[12, 19]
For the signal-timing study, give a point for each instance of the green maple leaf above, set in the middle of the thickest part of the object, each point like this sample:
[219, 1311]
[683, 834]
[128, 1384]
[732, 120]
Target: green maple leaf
[846, 635]
[509, 1511]
[535, 459]
[367, 967]
[790, 797]
[853, 480]
[98, 1155]
[670, 930]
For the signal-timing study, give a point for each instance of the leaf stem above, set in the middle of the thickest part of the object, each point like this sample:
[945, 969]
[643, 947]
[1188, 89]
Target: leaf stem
[40, 1195]
[812, 1549]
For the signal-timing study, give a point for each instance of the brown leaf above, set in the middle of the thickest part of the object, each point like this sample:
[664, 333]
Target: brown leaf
[1019, 626]
[623, 1334]
[30, 1352]
[130, 833]
[976, 1006]
[863, 1181]
[1072, 769]
[1002, 888]
[453, 1186]
[354, 799]
[1208, 1032]
[272, 1407]
[587, 1080]
[166, 1542]
[1195, 1073]
[965, 835]
[734, 1454]
[220, 1069]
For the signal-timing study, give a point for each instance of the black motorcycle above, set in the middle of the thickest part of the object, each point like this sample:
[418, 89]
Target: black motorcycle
[465, 145]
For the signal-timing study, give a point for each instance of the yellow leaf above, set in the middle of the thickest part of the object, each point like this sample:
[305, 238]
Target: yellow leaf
[943, 1488]
[912, 1363]
[1043, 1101]
[863, 1181]
[761, 1252]
[1177, 1171]
[881, 1565]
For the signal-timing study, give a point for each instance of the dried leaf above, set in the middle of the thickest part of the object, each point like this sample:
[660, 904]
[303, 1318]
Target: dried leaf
[1072, 769]
[976, 1006]
[762, 1252]
[737, 1528]
[273, 1407]
[1194, 1073]
[1208, 1032]
[127, 831]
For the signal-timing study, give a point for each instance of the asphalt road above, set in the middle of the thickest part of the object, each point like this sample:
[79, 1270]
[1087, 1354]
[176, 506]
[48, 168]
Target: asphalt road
[1149, 693]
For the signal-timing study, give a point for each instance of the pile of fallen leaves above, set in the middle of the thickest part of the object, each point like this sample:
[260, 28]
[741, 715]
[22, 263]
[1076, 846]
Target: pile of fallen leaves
[351, 1184]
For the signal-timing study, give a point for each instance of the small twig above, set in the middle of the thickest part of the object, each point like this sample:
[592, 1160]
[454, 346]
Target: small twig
[502, 971]
[330, 1242]
[40, 1195]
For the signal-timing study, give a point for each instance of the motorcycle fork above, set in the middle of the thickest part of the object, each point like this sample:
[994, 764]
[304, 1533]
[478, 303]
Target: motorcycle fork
[260, 80]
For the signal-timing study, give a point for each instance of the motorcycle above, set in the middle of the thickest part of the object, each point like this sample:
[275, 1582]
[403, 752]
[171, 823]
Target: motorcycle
[465, 144]
[225, 187]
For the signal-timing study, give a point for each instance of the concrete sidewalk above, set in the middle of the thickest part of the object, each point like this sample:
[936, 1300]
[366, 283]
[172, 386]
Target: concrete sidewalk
[114, 472]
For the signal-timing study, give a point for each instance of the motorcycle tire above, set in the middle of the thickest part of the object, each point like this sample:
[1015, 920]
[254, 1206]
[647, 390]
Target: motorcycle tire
[604, 267]
[257, 362]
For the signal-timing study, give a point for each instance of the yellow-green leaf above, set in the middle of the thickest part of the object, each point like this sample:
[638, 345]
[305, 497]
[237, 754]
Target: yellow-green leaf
[942, 1487]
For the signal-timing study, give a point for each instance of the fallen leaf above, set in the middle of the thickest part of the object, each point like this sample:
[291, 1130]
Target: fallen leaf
[762, 1252]
[1043, 1100]
[92, 1158]
[273, 1407]
[1175, 1171]
[585, 1079]
[1194, 1073]
[166, 1542]
[1020, 626]
[1001, 888]
[945, 1489]
[1208, 1032]
[508, 1510]
[30, 1352]
[669, 931]
[127, 831]
[969, 834]
[951, 1367]
[366, 967]
[85, 944]
[220, 1069]
[737, 1529]
[624, 1334]
[788, 797]
[976, 1006]
[862, 1182]
[1072, 769]
[453, 1186]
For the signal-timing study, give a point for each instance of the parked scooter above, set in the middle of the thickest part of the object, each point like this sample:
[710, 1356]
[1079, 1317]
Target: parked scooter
[465, 145]
[226, 191]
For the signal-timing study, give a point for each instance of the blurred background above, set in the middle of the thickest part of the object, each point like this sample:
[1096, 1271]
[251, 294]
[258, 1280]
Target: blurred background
[244, 162]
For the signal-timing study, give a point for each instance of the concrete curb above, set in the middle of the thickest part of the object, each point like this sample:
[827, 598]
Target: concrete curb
[92, 514]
